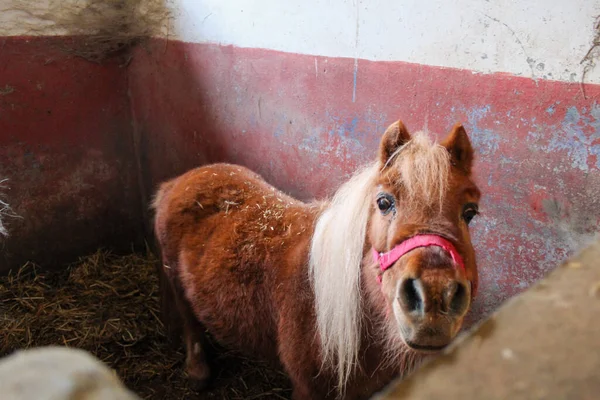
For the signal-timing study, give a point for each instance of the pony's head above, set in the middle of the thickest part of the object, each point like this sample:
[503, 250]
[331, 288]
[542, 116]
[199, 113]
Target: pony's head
[400, 229]
[423, 201]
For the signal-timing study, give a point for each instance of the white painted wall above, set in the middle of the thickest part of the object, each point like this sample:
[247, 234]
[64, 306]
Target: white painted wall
[534, 38]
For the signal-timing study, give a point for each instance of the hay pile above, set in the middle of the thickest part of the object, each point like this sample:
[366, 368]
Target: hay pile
[109, 305]
[98, 29]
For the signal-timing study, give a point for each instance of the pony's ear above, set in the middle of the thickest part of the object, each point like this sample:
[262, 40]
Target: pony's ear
[459, 146]
[395, 135]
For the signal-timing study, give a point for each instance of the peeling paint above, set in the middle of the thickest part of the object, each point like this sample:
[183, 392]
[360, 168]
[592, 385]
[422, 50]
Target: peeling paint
[485, 139]
[521, 141]
[578, 137]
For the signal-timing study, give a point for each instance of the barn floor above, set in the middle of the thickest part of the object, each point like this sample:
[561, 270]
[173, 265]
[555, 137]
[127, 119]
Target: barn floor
[109, 306]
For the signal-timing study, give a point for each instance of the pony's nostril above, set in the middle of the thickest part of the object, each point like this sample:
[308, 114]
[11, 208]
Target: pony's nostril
[410, 295]
[457, 300]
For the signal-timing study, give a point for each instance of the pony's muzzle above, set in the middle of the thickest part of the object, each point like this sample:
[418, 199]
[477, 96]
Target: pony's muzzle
[432, 307]
[419, 298]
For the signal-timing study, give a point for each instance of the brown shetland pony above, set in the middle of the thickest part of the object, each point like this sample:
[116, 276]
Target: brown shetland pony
[344, 294]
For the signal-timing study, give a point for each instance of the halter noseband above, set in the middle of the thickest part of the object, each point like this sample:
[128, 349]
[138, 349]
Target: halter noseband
[386, 260]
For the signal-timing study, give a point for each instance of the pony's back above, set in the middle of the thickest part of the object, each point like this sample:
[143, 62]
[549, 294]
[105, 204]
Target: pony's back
[226, 238]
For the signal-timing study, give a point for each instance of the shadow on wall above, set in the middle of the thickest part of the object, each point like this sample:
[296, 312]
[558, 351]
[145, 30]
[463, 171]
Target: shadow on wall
[167, 140]
[226, 104]
[65, 126]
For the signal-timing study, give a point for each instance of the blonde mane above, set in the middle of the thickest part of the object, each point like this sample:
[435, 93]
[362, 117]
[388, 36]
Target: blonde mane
[423, 167]
[338, 242]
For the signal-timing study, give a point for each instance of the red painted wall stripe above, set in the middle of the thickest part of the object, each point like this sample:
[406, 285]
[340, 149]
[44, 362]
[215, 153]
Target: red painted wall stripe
[66, 147]
[537, 142]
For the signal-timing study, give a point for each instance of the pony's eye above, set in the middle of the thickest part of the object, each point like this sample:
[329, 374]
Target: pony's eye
[385, 203]
[470, 210]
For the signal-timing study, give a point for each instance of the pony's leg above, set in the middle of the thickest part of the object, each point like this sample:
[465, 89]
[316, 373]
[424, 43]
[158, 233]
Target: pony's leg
[300, 364]
[168, 304]
[313, 389]
[306, 383]
[196, 360]
[301, 392]
[196, 344]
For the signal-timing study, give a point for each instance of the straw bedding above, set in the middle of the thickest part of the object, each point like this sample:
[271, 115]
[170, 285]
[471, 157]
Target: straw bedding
[108, 305]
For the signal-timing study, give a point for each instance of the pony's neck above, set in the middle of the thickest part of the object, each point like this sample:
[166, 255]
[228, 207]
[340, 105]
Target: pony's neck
[318, 206]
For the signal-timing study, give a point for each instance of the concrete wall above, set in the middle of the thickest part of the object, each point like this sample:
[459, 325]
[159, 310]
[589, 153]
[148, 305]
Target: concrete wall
[301, 91]
[65, 139]
[531, 38]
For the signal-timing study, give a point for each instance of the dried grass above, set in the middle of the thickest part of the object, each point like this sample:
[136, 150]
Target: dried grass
[100, 29]
[109, 306]
[589, 60]
[5, 210]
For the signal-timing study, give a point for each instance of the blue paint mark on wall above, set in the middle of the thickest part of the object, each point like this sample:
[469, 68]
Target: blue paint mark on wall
[576, 137]
[343, 129]
[279, 131]
[484, 139]
[349, 128]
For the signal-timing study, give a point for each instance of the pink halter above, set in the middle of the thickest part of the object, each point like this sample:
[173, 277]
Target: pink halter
[386, 260]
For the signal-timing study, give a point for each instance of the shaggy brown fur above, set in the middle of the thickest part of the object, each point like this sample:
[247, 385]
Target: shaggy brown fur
[236, 255]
